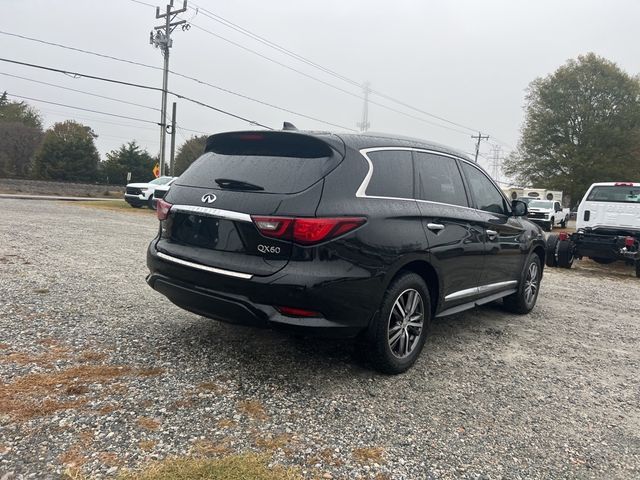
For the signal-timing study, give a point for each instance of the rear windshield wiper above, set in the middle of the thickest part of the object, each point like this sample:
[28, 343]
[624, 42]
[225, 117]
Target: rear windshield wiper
[237, 184]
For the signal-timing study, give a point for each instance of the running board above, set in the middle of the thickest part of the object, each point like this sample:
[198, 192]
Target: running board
[475, 303]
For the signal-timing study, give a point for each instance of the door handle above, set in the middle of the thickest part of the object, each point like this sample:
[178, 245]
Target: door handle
[435, 227]
[492, 234]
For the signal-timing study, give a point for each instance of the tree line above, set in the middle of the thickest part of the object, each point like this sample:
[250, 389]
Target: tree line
[67, 151]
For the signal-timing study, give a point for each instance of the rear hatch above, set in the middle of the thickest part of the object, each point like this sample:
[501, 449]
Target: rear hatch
[240, 175]
[614, 207]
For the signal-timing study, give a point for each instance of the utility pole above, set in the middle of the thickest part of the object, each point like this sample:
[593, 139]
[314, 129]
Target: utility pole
[480, 137]
[162, 39]
[364, 124]
[173, 140]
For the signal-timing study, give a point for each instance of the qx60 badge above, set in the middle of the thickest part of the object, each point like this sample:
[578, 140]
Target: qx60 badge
[209, 198]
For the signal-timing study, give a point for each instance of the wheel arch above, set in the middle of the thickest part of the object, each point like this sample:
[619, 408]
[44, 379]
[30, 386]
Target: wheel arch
[428, 273]
[540, 251]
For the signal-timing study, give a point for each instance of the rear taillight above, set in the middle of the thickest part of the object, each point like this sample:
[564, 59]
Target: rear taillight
[162, 209]
[629, 242]
[298, 312]
[562, 236]
[306, 231]
[623, 184]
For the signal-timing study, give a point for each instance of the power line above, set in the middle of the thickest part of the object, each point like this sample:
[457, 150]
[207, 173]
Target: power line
[335, 87]
[269, 43]
[137, 85]
[81, 108]
[79, 91]
[178, 74]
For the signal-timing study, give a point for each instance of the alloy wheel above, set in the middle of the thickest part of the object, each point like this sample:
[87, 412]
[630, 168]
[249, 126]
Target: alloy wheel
[406, 323]
[531, 284]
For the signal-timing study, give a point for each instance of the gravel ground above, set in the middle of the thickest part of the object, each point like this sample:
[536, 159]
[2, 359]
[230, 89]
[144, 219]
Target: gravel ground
[100, 371]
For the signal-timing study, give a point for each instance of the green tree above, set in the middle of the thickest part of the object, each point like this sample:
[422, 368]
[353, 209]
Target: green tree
[20, 136]
[582, 125]
[128, 158]
[68, 152]
[188, 152]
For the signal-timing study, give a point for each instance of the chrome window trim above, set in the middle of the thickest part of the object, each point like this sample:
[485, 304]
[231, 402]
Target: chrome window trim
[198, 266]
[361, 192]
[479, 290]
[212, 212]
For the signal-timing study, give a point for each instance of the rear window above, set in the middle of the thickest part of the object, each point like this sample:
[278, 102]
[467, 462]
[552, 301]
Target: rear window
[615, 193]
[276, 162]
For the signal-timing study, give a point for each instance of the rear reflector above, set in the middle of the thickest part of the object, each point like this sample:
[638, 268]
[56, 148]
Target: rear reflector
[298, 312]
[162, 209]
[562, 236]
[629, 242]
[306, 231]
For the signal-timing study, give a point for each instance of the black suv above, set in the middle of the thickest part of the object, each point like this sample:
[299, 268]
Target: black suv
[352, 235]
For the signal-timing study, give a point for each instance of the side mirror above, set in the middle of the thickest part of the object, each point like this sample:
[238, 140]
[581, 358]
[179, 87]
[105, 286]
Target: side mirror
[519, 208]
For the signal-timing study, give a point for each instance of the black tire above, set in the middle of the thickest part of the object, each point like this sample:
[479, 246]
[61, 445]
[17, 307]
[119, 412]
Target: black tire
[602, 260]
[565, 254]
[136, 206]
[384, 352]
[563, 223]
[150, 203]
[546, 227]
[551, 224]
[637, 268]
[552, 245]
[525, 298]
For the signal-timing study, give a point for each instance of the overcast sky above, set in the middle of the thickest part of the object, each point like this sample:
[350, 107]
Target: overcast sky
[467, 61]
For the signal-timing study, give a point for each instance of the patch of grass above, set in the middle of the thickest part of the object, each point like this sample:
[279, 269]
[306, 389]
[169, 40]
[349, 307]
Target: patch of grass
[368, 454]
[114, 205]
[107, 409]
[40, 394]
[207, 448]
[225, 423]
[150, 372]
[274, 442]
[253, 409]
[147, 445]
[91, 356]
[211, 387]
[148, 423]
[232, 467]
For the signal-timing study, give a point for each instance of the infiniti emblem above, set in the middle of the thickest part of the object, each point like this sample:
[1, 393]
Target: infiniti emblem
[209, 198]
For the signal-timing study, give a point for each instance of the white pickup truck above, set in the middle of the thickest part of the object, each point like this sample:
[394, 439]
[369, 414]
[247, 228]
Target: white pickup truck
[607, 228]
[548, 213]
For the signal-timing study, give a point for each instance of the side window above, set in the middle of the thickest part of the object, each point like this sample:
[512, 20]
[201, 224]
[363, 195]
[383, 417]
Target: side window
[486, 195]
[438, 179]
[556, 207]
[392, 174]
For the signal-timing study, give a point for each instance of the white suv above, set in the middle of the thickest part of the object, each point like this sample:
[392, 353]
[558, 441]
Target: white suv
[140, 194]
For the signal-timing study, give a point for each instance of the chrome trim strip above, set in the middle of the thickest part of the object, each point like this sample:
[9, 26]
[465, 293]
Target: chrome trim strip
[479, 290]
[212, 212]
[496, 286]
[461, 294]
[361, 192]
[205, 268]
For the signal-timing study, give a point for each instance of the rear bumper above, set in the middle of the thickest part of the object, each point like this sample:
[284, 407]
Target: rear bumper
[603, 246]
[346, 303]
